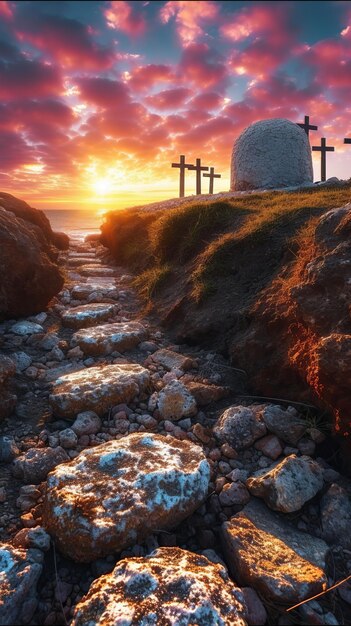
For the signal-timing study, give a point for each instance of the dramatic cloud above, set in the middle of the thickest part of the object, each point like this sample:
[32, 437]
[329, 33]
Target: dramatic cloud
[169, 99]
[102, 91]
[189, 17]
[23, 78]
[122, 16]
[202, 66]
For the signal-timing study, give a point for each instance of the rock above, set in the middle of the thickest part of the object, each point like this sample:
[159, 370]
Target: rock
[234, 494]
[7, 398]
[97, 389]
[26, 328]
[205, 394]
[256, 613]
[20, 571]
[287, 486]
[83, 291]
[34, 466]
[8, 449]
[68, 438]
[116, 494]
[35, 537]
[22, 360]
[49, 341]
[172, 360]
[335, 509]
[97, 270]
[270, 446]
[175, 402]
[87, 315]
[86, 423]
[30, 277]
[109, 338]
[169, 586]
[287, 424]
[240, 426]
[259, 559]
[271, 153]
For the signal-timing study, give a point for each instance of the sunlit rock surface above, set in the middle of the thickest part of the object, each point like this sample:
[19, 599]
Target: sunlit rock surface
[170, 586]
[97, 270]
[97, 388]
[115, 494]
[287, 486]
[19, 574]
[271, 153]
[280, 563]
[87, 315]
[172, 360]
[108, 338]
[175, 401]
[84, 290]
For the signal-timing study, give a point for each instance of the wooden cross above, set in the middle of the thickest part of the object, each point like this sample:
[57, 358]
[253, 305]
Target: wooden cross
[211, 176]
[347, 140]
[198, 168]
[307, 126]
[182, 167]
[323, 149]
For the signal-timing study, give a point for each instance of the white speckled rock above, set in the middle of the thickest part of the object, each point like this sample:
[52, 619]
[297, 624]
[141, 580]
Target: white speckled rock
[114, 495]
[287, 486]
[175, 401]
[240, 426]
[86, 423]
[26, 328]
[269, 154]
[109, 337]
[170, 586]
[19, 574]
[88, 315]
[97, 388]
[84, 290]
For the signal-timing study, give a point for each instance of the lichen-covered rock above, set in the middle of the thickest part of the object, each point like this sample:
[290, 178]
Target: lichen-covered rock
[7, 398]
[170, 586]
[114, 495]
[84, 290]
[287, 424]
[175, 401]
[287, 486]
[240, 426]
[86, 423]
[29, 274]
[34, 466]
[108, 338]
[260, 559]
[97, 389]
[19, 574]
[87, 315]
[172, 360]
[271, 153]
[335, 510]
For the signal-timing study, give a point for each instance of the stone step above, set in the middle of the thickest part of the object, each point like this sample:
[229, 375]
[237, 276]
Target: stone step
[97, 270]
[87, 315]
[109, 338]
[81, 291]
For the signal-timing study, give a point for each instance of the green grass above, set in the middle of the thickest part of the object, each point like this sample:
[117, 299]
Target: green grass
[150, 281]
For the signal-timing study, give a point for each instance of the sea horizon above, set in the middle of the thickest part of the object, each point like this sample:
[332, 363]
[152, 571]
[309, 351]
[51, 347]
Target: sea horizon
[76, 223]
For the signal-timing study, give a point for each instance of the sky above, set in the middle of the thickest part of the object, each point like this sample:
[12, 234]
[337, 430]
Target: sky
[97, 99]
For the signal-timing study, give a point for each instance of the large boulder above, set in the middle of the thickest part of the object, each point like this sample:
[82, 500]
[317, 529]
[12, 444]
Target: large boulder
[97, 388]
[36, 217]
[29, 277]
[20, 571]
[170, 586]
[116, 494]
[270, 154]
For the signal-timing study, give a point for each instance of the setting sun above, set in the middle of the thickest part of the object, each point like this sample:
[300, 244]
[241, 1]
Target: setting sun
[102, 186]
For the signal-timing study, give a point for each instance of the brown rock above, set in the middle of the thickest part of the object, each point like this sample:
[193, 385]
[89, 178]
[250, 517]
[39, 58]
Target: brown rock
[205, 394]
[115, 494]
[175, 401]
[87, 315]
[7, 398]
[34, 466]
[172, 360]
[172, 585]
[97, 389]
[240, 426]
[234, 494]
[260, 560]
[270, 446]
[30, 277]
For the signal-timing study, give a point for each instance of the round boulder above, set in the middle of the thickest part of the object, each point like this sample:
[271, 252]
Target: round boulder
[271, 154]
[170, 586]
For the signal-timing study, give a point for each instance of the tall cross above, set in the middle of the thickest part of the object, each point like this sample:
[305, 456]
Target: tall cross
[182, 167]
[323, 149]
[211, 176]
[347, 140]
[307, 126]
[198, 168]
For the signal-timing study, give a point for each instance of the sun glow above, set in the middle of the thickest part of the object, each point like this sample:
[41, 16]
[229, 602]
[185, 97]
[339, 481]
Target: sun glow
[102, 186]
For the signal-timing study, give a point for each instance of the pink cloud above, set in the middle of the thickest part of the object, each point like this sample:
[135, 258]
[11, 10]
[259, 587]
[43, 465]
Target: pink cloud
[66, 40]
[169, 99]
[251, 21]
[103, 92]
[6, 10]
[189, 17]
[144, 77]
[207, 100]
[122, 16]
[202, 66]
[23, 78]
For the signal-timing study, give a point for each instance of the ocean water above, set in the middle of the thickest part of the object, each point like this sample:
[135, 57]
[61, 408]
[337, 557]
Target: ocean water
[75, 223]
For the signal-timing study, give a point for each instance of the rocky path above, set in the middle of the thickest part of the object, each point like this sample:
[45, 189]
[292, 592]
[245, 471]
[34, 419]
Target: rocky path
[162, 458]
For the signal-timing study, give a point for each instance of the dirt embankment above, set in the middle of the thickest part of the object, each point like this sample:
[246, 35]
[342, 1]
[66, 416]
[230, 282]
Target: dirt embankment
[264, 278]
